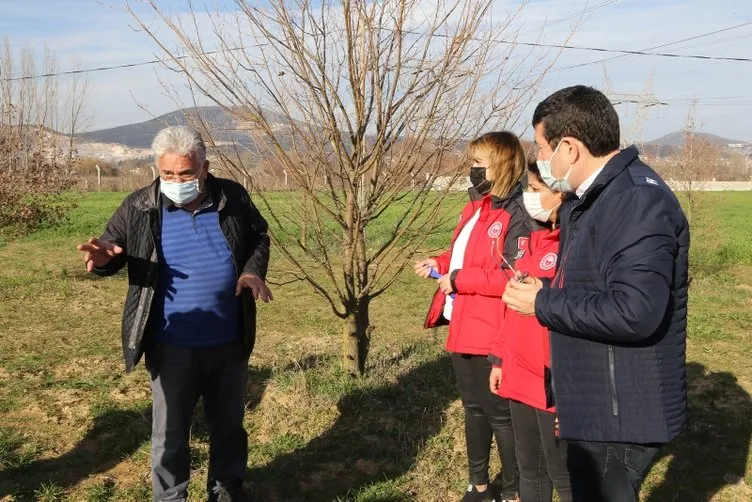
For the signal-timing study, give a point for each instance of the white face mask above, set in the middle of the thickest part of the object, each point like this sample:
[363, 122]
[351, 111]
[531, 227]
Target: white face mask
[180, 193]
[534, 206]
[562, 185]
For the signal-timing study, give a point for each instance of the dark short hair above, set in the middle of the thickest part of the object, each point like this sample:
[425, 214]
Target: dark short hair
[583, 113]
[532, 167]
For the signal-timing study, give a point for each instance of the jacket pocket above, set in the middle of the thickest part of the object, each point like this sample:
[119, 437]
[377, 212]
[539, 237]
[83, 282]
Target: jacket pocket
[612, 382]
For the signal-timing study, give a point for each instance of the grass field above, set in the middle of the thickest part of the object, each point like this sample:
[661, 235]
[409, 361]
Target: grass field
[74, 426]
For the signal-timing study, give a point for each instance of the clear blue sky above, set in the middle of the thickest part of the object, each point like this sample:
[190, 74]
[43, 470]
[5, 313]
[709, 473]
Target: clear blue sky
[101, 34]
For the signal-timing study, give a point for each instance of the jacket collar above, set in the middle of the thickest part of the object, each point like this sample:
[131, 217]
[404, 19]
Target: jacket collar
[151, 198]
[492, 203]
[500, 202]
[611, 170]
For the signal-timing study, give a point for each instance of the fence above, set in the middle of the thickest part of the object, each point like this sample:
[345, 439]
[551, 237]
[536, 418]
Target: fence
[711, 186]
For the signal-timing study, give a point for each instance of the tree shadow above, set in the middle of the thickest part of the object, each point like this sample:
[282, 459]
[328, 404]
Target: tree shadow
[377, 437]
[113, 436]
[713, 452]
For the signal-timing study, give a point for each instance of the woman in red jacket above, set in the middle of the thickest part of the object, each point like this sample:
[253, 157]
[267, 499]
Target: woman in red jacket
[473, 278]
[521, 370]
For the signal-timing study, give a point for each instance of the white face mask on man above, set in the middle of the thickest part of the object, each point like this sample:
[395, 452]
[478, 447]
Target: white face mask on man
[180, 193]
[562, 185]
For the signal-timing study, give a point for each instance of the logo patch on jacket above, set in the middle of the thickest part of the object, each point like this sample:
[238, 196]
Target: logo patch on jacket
[494, 231]
[548, 262]
[522, 243]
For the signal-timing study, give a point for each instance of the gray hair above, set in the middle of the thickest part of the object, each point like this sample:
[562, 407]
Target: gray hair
[180, 140]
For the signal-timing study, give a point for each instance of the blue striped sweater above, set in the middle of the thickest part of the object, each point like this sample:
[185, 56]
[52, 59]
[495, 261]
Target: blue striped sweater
[195, 304]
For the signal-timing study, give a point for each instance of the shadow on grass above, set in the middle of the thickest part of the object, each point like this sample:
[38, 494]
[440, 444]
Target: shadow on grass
[712, 453]
[377, 437]
[113, 436]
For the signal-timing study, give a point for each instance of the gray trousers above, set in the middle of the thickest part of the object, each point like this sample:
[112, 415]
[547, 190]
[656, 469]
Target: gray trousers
[179, 376]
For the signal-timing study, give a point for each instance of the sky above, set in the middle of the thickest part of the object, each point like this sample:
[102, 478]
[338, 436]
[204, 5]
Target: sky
[102, 33]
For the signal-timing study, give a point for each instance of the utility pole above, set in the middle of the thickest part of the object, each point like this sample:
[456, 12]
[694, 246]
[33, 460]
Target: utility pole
[634, 133]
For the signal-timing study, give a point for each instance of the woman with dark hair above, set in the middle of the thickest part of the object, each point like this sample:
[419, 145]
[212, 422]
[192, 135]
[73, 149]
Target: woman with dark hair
[473, 274]
[522, 369]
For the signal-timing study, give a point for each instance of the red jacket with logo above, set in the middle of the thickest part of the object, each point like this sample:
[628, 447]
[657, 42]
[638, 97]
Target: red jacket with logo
[522, 346]
[503, 225]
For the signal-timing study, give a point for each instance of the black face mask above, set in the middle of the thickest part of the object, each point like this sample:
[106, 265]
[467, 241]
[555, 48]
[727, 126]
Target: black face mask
[479, 181]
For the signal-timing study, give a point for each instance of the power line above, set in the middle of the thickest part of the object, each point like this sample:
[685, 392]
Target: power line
[687, 39]
[621, 52]
[713, 42]
[633, 53]
[122, 66]
[709, 98]
[572, 16]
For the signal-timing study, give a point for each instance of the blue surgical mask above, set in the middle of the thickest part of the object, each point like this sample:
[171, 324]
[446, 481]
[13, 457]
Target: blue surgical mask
[562, 185]
[180, 193]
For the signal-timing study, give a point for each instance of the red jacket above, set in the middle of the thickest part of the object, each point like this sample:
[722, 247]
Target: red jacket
[523, 344]
[478, 311]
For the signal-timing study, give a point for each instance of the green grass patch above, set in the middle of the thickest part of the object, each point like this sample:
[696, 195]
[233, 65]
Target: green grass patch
[75, 427]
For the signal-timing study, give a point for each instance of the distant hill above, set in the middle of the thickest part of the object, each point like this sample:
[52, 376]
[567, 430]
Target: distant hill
[670, 144]
[676, 140]
[224, 126]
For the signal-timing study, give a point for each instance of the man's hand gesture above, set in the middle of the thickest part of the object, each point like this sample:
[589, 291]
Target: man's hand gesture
[257, 286]
[98, 253]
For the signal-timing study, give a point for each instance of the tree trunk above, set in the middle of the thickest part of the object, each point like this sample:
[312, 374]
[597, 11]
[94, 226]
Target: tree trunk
[357, 337]
[690, 202]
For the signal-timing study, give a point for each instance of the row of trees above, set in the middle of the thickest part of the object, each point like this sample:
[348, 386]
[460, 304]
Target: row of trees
[38, 122]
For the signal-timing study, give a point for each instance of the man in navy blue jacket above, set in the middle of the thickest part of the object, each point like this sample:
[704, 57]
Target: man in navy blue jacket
[617, 308]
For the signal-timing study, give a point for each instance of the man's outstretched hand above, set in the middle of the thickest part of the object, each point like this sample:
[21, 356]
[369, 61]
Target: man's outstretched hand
[98, 253]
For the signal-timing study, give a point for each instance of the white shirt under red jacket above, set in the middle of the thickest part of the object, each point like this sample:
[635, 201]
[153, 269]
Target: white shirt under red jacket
[522, 345]
[477, 311]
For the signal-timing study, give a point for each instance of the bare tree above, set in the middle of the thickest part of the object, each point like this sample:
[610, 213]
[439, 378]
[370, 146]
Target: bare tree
[364, 105]
[696, 164]
[36, 164]
[76, 118]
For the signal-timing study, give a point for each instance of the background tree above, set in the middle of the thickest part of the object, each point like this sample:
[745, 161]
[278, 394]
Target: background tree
[37, 161]
[697, 163]
[364, 105]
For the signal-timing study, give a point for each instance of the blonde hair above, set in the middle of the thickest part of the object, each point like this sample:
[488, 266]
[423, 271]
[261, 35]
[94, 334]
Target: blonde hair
[506, 159]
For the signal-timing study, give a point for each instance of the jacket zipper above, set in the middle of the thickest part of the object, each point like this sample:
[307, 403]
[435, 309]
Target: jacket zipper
[232, 255]
[612, 381]
[559, 279]
[564, 257]
[143, 310]
[142, 313]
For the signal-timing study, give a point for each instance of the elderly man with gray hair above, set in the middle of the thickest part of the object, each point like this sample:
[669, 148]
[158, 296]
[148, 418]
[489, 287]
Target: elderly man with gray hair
[197, 251]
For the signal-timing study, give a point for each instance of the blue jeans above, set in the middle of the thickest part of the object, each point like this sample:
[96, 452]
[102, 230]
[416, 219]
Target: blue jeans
[608, 472]
[179, 376]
